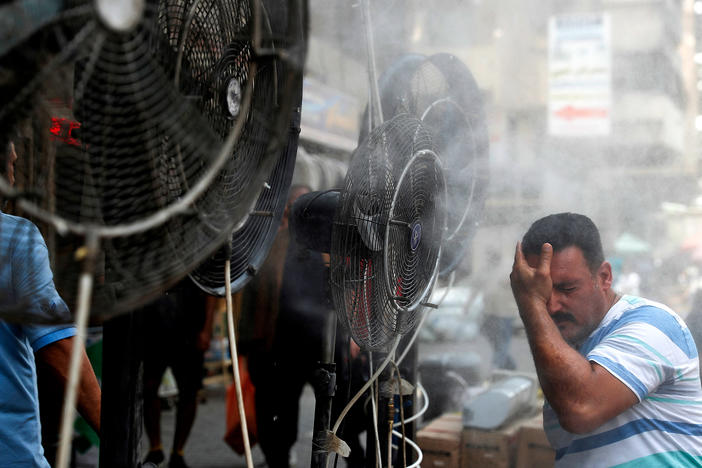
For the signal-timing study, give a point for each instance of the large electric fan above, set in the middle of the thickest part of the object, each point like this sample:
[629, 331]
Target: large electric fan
[251, 242]
[387, 232]
[441, 91]
[252, 238]
[147, 132]
[152, 127]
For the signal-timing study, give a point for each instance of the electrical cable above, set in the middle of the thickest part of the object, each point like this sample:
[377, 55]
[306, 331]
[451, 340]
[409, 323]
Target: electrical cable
[374, 409]
[420, 455]
[235, 359]
[421, 411]
[402, 411]
[374, 378]
[349, 371]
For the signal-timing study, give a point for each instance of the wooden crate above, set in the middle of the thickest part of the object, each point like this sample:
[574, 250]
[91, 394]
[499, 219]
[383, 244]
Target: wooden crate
[533, 448]
[489, 449]
[440, 442]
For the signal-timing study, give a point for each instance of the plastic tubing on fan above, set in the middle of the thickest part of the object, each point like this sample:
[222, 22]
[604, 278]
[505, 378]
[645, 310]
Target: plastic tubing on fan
[235, 361]
[358, 395]
[420, 455]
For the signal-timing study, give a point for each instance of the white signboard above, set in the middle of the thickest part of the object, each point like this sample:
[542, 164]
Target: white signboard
[579, 75]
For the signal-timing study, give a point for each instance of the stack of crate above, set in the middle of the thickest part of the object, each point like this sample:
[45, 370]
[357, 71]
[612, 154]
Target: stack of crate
[522, 443]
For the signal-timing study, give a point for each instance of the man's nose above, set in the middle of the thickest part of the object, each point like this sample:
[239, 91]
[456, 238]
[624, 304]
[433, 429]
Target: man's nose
[553, 305]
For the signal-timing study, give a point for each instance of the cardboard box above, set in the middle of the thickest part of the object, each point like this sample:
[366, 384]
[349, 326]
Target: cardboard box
[489, 449]
[533, 449]
[440, 442]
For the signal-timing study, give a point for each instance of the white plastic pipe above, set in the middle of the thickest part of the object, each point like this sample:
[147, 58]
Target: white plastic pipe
[85, 289]
[235, 362]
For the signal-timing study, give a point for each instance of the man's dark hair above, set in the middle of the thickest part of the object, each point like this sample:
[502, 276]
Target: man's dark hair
[564, 230]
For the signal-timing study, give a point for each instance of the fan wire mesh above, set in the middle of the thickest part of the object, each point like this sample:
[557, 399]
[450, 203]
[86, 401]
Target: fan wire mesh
[378, 276]
[441, 92]
[113, 132]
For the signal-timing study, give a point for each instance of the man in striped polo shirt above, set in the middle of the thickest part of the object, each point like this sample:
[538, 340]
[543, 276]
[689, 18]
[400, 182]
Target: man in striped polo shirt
[620, 374]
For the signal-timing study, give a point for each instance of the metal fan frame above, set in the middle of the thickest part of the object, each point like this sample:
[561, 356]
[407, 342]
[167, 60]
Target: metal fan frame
[183, 204]
[287, 161]
[474, 178]
[363, 293]
[282, 172]
[463, 94]
[421, 154]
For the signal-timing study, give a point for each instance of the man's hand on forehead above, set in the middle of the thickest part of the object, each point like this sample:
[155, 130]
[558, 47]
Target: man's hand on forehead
[532, 283]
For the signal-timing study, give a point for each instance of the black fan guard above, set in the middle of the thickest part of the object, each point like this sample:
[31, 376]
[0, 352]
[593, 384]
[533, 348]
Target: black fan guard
[145, 167]
[442, 92]
[387, 233]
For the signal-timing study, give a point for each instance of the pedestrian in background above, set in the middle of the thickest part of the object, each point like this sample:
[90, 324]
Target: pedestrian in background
[178, 329]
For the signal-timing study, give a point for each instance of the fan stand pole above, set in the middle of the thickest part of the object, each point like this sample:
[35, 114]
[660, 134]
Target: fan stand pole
[375, 114]
[85, 289]
[235, 356]
[324, 383]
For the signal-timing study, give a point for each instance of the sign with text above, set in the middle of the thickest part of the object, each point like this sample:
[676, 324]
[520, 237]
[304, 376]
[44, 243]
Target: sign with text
[579, 75]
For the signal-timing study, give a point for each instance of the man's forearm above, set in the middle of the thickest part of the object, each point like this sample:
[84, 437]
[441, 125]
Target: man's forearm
[57, 356]
[563, 373]
[89, 395]
[584, 395]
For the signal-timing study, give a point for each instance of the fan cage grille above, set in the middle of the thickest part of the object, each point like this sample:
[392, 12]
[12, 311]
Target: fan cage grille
[386, 189]
[109, 138]
[442, 92]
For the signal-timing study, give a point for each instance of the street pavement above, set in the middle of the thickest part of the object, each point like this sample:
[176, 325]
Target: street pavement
[207, 449]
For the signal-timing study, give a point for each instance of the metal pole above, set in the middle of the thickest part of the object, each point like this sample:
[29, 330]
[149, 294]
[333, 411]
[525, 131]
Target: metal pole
[85, 289]
[324, 391]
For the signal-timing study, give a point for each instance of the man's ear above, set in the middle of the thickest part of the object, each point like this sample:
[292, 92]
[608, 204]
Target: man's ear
[604, 274]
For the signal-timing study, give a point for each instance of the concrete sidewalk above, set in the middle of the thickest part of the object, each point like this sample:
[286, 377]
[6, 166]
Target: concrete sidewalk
[206, 447]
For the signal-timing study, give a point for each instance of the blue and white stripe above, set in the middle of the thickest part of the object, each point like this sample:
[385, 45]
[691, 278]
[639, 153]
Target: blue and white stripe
[649, 348]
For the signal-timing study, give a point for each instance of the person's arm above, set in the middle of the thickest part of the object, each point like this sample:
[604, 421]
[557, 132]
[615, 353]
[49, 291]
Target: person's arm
[57, 356]
[583, 394]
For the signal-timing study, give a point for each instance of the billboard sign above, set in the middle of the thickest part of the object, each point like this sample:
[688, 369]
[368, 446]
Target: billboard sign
[579, 75]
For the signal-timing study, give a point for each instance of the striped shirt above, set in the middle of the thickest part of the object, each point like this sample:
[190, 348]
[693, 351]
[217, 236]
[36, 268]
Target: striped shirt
[650, 349]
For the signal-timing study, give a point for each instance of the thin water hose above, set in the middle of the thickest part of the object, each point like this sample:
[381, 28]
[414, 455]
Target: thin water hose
[358, 395]
[422, 410]
[374, 408]
[407, 440]
[235, 361]
[416, 448]
[363, 389]
[85, 289]
[402, 410]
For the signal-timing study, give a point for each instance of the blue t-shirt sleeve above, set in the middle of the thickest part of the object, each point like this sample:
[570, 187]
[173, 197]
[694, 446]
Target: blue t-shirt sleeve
[33, 280]
[42, 335]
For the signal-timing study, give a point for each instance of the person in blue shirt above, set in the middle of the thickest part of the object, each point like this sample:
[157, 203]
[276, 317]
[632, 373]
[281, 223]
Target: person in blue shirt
[28, 302]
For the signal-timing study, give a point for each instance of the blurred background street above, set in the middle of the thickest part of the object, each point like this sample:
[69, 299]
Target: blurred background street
[207, 449]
